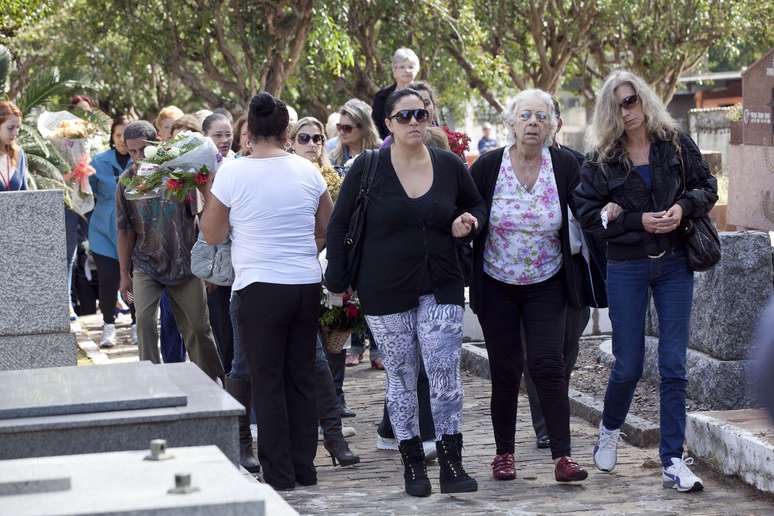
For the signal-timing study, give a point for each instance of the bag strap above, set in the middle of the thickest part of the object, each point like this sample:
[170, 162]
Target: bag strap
[367, 177]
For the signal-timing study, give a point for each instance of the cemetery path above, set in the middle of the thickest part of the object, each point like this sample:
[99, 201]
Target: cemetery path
[375, 486]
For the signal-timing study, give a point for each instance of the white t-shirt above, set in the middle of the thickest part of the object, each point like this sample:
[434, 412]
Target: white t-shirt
[273, 203]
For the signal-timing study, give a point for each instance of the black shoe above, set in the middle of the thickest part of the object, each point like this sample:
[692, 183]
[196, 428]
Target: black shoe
[340, 452]
[240, 391]
[414, 468]
[453, 477]
[543, 442]
[346, 412]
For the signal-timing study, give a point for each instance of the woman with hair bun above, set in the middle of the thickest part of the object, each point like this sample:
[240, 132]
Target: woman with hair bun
[275, 207]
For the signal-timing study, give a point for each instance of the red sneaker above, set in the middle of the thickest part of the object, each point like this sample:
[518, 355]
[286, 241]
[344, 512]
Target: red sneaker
[567, 470]
[503, 467]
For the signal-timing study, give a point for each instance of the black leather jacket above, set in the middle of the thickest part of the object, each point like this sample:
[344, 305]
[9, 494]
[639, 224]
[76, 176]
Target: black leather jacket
[615, 181]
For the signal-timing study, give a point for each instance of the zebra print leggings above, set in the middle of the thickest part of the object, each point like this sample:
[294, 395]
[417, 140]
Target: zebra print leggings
[435, 331]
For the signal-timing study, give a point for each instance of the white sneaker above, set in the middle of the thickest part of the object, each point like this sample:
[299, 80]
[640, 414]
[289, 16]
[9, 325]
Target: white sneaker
[679, 476]
[385, 443]
[348, 431]
[108, 339]
[430, 450]
[135, 340]
[606, 449]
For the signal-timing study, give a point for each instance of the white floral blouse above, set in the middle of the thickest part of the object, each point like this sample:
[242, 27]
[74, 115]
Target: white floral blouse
[524, 246]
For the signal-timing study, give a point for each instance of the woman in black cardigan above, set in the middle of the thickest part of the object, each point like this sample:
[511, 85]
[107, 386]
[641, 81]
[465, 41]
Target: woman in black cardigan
[410, 282]
[524, 274]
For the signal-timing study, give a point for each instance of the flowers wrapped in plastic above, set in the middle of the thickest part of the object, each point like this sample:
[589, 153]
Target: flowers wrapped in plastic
[174, 168]
[74, 139]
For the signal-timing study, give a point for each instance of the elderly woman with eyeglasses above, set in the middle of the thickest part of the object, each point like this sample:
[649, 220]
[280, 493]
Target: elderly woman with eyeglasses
[523, 275]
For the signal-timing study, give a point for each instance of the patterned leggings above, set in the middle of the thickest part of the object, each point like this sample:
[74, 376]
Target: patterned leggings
[435, 331]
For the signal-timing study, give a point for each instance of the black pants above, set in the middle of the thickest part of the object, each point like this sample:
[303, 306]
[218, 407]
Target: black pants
[336, 363]
[575, 323]
[541, 309]
[219, 304]
[109, 280]
[426, 425]
[277, 330]
[328, 409]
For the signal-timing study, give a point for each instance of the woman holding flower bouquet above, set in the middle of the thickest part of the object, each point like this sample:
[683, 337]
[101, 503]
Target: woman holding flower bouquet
[275, 207]
[421, 201]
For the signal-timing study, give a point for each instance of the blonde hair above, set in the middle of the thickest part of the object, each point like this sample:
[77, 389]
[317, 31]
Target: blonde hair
[322, 161]
[606, 134]
[435, 137]
[187, 123]
[360, 113]
[511, 114]
[168, 112]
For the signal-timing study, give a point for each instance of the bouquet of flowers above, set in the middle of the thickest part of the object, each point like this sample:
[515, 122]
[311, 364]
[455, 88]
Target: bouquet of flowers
[340, 318]
[458, 141]
[74, 139]
[333, 180]
[174, 168]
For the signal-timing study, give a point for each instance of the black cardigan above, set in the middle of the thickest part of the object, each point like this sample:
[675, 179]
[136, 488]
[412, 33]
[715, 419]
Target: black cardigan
[485, 171]
[398, 247]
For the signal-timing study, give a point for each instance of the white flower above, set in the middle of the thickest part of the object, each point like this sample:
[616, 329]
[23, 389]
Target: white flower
[173, 152]
[150, 151]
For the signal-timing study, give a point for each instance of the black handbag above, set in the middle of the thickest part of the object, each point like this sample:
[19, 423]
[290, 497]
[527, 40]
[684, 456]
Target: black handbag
[702, 241]
[353, 240]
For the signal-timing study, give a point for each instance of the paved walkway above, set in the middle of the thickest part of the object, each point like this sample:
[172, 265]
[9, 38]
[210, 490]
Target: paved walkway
[375, 486]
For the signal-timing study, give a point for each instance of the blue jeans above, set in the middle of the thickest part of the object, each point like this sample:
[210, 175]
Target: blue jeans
[240, 368]
[172, 348]
[629, 283]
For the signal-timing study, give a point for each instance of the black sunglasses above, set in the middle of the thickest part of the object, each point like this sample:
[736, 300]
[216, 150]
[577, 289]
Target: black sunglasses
[304, 138]
[404, 115]
[630, 101]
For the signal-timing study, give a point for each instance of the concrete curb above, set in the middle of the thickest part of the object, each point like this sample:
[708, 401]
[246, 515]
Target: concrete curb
[639, 431]
[87, 345]
[733, 450]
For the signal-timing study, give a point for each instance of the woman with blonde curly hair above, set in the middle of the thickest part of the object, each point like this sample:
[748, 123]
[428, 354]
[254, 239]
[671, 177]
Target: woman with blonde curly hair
[166, 117]
[642, 180]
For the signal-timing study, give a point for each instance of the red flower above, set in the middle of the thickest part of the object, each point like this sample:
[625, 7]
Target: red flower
[174, 185]
[202, 178]
[351, 311]
[458, 141]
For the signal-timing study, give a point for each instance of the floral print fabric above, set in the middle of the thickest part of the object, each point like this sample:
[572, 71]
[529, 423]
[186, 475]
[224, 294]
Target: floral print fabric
[523, 245]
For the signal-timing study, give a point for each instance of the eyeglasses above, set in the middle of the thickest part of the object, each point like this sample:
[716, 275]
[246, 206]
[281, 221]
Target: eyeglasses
[404, 115]
[345, 128]
[304, 138]
[526, 115]
[630, 101]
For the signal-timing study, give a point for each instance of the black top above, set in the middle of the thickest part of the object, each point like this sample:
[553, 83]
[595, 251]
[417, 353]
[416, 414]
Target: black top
[615, 181]
[399, 243]
[485, 171]
[378, 113]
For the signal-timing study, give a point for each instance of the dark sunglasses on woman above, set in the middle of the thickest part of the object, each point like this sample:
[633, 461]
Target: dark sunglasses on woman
[630, 101]
[404, 115]
[304, 138]
[345, 128]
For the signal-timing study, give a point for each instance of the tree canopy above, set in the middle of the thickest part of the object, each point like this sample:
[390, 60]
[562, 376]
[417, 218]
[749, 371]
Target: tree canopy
[141, 55]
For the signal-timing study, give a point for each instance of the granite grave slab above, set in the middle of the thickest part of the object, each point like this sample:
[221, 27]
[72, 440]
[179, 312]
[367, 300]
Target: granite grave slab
[123, 483]
[79, 390]
[208, 418]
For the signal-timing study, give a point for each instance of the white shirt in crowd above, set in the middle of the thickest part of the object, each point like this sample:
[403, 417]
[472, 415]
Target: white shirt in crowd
[273, 203]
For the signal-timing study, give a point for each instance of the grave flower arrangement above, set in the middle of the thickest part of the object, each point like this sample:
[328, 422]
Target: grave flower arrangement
[458, 142]
[340, 317]
[173, 169]
[333, 180]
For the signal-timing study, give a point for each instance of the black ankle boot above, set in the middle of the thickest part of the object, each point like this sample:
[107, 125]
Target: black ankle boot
[339, 451]
[414, 469]
[453, 477]
[240, 391]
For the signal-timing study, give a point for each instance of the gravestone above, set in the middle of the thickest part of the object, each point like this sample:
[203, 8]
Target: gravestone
[728, 300]
[114, 407]
[34, 324]
[191, 480]
[751, 164]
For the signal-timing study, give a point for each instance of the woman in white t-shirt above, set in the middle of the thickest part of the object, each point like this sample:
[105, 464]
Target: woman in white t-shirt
[275, 206]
